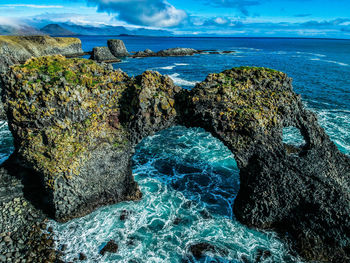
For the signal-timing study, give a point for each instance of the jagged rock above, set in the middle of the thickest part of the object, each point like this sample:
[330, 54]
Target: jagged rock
[117, 48]
[103, 54]
[172, 52]
[75, 124]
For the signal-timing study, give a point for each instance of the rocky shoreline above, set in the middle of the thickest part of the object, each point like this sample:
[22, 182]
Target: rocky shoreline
[75, 124]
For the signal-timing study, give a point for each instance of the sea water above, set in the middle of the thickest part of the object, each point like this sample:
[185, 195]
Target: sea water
[188, 178]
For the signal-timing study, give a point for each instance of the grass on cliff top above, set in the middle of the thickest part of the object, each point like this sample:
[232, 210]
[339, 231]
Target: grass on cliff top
[75, 71]
[28, 41]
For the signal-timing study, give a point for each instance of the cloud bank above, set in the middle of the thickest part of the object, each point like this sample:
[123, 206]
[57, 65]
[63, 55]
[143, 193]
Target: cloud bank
[157, 13]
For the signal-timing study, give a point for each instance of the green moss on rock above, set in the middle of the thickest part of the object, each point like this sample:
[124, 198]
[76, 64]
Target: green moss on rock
[60, 109]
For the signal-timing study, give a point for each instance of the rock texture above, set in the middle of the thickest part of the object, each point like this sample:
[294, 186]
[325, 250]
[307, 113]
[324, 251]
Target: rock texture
[103, 54]
[18, 49]
[64, 118]
[117, 48]
[305, 194]
[75, 123]
[175, 52]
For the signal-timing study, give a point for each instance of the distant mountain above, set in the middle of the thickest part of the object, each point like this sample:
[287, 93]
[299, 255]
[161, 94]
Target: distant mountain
[56, 30]
[19, 30]
[114, 30]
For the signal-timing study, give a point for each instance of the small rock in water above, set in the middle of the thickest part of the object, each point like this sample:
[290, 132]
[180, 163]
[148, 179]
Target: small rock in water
[111, 247]
[82, 256]
[124, 215]
[198, 250]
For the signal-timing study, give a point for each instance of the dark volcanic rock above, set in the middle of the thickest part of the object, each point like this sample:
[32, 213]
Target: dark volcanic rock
[77, 147]
[146, 53]
[117, 48]
[305, 194]
[75, 124]
[103, 54]
[173, 52]
[110, 247]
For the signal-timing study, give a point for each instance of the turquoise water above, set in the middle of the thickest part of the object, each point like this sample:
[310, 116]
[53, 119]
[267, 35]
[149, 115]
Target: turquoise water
[189, 179]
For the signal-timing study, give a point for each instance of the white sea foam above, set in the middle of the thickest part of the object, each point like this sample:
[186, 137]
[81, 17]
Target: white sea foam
[150, 233]
[182, 82]
[330, 61]
[168, 67]
[181, 64]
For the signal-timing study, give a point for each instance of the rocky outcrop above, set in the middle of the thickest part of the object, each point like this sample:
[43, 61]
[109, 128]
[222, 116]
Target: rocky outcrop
[75, 123]
[306, 193]
[117, 48]
[103, 54]
[173, 52]
[145, 53]
[73, 141]
[18, 49]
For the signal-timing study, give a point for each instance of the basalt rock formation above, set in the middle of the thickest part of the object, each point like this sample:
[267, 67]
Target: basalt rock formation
[117, 48]
[18, 49]
[76, 122]
[103, 54]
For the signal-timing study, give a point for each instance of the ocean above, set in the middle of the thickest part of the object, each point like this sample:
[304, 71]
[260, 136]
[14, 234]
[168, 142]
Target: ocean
[190, 179]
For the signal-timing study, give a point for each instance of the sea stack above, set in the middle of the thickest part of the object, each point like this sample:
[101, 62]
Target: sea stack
[117, 48]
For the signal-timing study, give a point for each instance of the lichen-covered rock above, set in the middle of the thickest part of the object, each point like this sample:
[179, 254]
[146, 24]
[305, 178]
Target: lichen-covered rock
[305, 194]
[103, 54]
[145, 53]
[117, 48]
[64, 118]
[149, 105]
[75, 123]
[18, 49]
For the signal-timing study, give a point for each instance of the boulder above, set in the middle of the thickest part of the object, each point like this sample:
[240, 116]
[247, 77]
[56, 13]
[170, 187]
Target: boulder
[103, 54]
[117, 48]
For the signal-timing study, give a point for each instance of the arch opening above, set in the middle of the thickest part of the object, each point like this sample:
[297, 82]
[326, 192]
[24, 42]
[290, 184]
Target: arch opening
[293, 139]
[193, 162]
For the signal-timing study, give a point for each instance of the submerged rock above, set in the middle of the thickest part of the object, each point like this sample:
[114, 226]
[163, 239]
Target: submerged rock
[199, 250]
[75, 124]
[117, 48]
[103, 54]
[110, 247]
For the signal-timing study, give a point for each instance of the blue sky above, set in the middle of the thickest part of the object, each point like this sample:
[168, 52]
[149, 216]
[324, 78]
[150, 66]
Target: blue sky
[276, 18]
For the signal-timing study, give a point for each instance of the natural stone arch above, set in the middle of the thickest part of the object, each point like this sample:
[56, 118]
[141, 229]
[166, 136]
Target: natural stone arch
[76, 128]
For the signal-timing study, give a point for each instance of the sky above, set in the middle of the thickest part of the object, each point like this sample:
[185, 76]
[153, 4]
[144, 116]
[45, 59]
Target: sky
[237, 18]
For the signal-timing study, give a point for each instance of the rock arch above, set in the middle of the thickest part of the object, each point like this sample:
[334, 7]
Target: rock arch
[75, 123]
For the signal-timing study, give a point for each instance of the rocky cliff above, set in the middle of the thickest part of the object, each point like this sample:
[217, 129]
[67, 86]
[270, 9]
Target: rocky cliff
[75, 124]
[18, 49]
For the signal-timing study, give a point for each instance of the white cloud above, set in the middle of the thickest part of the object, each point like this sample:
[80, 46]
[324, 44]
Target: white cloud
[33, 6]
[158, 13]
